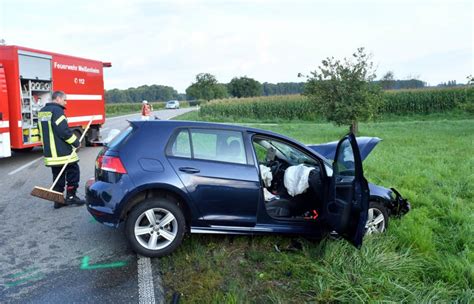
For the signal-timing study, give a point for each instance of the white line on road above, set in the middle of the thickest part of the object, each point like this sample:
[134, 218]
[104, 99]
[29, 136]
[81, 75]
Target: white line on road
[25, 166]
[146, 291]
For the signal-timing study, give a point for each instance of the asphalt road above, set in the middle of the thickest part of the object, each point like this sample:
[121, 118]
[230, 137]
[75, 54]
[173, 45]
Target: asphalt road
[63, 255]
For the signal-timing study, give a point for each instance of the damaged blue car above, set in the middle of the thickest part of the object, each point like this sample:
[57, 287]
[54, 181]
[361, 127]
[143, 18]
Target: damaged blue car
[162, 179]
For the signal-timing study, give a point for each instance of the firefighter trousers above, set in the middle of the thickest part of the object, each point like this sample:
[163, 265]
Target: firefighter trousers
[71, 174]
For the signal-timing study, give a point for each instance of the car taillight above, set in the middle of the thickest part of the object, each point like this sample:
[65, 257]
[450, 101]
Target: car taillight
[98, 161]
[111, 163]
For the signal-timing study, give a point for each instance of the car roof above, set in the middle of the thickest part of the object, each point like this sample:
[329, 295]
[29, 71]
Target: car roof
[208, 125]
[213, 125]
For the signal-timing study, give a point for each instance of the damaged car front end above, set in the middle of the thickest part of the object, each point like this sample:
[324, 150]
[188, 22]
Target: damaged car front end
[384, 202]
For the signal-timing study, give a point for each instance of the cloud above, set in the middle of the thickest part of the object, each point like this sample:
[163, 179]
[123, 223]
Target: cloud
[169, 42]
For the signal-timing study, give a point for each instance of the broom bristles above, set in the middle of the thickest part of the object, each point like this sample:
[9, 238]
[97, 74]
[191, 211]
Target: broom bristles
[48, 194]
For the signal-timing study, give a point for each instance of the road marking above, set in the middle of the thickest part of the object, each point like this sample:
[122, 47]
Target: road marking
[34, 277]
[25, 166]
[86, 266]
[122, 116]
[20, 278]
[146, 290]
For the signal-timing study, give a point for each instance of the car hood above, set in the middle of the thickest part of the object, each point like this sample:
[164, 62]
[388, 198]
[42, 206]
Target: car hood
[328, 150]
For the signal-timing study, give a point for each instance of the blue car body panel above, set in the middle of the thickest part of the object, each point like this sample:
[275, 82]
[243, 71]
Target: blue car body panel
[221, 197]
[328, 150]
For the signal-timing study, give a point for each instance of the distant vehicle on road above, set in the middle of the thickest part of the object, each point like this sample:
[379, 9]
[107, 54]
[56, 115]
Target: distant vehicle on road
[163, 178]
[172, 104]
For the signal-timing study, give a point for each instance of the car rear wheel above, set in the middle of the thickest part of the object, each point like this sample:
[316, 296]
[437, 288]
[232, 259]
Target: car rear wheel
[155, 227]
[377, 218]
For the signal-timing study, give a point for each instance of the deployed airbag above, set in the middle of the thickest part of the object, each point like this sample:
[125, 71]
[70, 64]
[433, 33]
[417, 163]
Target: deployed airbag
[296, 179]
[266, 174]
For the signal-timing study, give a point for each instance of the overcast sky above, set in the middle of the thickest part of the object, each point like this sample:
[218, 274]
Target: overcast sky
[169, 42]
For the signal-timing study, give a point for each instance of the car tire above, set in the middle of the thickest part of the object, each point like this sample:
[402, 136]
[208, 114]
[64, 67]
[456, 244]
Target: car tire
[153, 239]
[377, 218]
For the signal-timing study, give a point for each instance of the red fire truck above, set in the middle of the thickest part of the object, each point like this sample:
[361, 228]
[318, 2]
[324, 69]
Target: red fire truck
[27, 79]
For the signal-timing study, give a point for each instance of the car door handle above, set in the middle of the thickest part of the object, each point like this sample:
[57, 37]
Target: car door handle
[189, 170]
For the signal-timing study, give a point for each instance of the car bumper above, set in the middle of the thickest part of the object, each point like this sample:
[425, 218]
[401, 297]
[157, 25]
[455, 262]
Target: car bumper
[397, 205]
[100, 202]
[401, 205]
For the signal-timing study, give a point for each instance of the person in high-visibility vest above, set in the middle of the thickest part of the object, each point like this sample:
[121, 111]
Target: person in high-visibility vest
[146, 110]
[58, 142]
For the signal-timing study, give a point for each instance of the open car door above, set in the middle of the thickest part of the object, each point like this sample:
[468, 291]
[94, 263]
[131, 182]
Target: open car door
[348, 201]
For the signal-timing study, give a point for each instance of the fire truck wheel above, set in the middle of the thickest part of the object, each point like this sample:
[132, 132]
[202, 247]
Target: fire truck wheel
[78, 134]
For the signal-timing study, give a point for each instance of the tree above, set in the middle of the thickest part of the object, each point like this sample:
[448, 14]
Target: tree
[245, 87]
[388, 81]
[283, 88]
[342, 90]
[470, 80]
[206, 87]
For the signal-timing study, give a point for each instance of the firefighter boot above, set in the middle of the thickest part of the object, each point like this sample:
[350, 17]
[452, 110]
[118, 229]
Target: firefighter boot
[58, 205]
[71, 197]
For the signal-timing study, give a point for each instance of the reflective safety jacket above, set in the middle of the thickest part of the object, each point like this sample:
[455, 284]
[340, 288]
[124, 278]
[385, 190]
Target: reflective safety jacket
[58, 140]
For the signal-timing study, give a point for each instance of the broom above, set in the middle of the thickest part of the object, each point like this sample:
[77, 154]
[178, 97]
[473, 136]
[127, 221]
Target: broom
[50, 194]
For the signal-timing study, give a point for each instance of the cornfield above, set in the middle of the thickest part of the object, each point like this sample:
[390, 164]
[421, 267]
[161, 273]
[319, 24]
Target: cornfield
[421, 101]
[425, 101]
[285, 107]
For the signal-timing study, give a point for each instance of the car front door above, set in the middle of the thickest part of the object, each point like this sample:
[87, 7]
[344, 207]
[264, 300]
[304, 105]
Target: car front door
[217, 175]
[348, 201]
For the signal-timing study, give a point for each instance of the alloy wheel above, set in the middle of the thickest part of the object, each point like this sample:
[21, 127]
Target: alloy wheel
[156, 228]
[375, 221]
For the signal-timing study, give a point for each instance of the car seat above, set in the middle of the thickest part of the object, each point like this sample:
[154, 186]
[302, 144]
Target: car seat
[234, 148]
[280, 207]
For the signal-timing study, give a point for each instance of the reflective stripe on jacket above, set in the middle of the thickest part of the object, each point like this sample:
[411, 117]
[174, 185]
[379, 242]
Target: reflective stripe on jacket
[58, 140]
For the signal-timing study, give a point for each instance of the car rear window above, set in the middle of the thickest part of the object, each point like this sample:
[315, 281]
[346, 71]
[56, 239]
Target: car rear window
[181, 146]
[120, 138]
[215, 145]
[218, 145]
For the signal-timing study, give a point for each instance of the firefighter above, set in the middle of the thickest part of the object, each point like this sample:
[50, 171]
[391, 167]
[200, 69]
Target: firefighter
[58, 142]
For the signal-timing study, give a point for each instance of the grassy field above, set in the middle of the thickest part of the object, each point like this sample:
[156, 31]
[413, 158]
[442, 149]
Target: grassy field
[426, 256]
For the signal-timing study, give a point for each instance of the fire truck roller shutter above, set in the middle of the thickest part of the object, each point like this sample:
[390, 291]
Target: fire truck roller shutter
[34, 65]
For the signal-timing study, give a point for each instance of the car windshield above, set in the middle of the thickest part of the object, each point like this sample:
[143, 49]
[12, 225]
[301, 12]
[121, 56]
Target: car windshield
[295, 156]
[292, 155]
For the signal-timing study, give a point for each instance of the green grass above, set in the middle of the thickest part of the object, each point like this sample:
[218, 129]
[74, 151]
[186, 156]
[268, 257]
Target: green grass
[426, 256]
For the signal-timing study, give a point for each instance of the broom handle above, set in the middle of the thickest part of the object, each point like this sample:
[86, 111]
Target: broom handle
[70, 156]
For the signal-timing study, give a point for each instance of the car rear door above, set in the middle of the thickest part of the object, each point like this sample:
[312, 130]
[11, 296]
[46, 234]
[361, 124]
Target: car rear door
[217, 175]
[348, 200]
